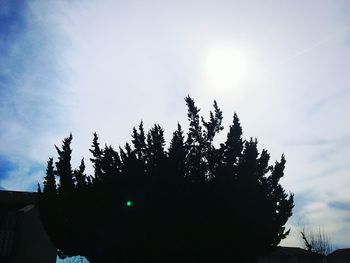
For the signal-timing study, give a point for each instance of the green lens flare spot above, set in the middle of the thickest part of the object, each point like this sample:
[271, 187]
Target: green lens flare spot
[128, 203]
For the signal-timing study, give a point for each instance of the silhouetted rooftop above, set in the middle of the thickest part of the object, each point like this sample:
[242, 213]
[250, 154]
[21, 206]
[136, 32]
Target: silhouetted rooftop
[340, 254]
[288, 251]
[18, 198]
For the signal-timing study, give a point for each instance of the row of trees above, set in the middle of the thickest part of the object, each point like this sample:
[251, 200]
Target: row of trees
[192, 202]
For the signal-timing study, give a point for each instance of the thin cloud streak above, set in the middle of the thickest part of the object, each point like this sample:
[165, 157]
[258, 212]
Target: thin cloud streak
[329, 99]
[29, 97]
[311, 48]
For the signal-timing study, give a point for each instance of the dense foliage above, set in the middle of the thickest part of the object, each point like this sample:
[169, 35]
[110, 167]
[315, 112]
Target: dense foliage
[191, 202]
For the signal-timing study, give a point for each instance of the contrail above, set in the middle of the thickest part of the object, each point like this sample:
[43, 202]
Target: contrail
[318, 44]
[309, 49]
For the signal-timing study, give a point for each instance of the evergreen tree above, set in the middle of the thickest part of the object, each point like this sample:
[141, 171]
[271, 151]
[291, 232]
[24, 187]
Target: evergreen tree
[214, 125]
[80, 176]
[177, 153]
[49, 180]
[97, 157]
[234, 143]
[155, 149]
[192, 202]
[64, 168]
[194, 144]
[139, 141]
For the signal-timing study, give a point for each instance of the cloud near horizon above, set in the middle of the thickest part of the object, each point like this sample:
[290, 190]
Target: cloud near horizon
[105, 66]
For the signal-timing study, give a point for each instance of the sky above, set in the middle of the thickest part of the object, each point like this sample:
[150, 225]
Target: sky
[103, 66]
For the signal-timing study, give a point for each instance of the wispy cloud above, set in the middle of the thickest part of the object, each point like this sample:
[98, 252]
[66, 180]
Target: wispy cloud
[338, 33]
[29, 89]
[5, 167]
[310, 142]
[341, 205]
[333, 98]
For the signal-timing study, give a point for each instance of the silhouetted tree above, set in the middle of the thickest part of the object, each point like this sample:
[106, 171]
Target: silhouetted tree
[316, 241]
[79, 176]
[97, 157]
[50, 187]
[64, 168]
[192, 202]
[177, 154]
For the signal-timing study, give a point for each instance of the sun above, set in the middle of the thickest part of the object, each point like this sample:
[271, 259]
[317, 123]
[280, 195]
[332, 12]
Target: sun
[226, 67]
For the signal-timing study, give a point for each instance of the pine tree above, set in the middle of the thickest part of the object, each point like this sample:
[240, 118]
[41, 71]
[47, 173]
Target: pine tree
[177, 153]
[64, 168]
[195, 171]
[211, 154]
[214, 125]
[49, 180]
[234, 144]
[97, 157]
[155, 148]
[139, 141]
[80, 176]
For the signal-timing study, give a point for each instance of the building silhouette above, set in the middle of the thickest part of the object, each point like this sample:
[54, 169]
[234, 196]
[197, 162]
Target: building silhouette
[22, 235]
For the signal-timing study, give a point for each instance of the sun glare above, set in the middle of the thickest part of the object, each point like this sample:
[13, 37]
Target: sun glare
[226, 67]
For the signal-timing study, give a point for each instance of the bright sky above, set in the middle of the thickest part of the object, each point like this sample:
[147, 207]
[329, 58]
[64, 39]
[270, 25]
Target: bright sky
[283, 66]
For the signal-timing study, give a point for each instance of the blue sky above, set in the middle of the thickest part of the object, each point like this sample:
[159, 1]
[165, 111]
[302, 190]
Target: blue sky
[105, 65]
